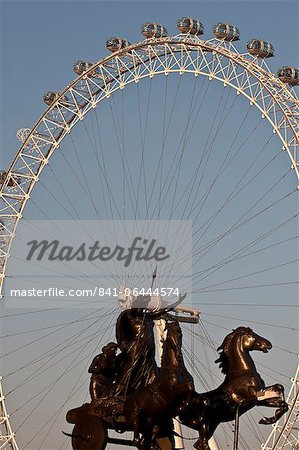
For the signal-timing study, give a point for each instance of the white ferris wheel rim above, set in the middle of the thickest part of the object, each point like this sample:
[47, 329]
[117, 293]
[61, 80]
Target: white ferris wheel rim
[248, 75]
[265, 91]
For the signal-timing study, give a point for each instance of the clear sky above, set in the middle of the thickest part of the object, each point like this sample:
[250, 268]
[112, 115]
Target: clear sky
[40, 41]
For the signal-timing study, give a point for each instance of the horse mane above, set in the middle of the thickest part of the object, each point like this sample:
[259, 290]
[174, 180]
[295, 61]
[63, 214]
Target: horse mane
[224, 348]
[173, 329]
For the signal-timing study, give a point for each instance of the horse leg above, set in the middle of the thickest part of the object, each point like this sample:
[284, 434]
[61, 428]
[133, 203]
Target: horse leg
[202, 443]
[147, 442]
[165, 435]
[183, 407]
[136, 434]
[153, 438]
[189, 395]
[282, 409]
[275, 399]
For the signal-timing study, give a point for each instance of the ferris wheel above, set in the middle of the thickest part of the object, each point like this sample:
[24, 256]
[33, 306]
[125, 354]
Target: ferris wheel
[213, 140]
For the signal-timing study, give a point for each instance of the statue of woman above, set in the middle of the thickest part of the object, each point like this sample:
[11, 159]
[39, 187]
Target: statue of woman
[135, 338]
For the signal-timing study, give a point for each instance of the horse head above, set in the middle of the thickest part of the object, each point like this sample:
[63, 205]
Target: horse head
[242, 339]
[252, 341]
[242, 389]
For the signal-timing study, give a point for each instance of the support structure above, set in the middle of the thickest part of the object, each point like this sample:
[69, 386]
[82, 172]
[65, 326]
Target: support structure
[214, 59]
[7, 437]
[160, 325]
[285, 434]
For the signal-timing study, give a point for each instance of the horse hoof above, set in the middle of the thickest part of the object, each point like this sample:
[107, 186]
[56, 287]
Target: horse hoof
[201, 445]
[265, 421]
[137, 443]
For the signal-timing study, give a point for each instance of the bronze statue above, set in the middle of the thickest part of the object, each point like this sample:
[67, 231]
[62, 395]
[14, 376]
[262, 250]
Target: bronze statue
[150, 409]
[130, 392]
[135, 338]
[136, 368]
[242, 389]
[103, 369]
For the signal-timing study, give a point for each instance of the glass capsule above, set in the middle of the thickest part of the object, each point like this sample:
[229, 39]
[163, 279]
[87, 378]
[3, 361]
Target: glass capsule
[115, 43]
[152, 29]
[50, 97]
[262, 49]
[288, 75]
[81, 66]
[226, 32]
[189, 25]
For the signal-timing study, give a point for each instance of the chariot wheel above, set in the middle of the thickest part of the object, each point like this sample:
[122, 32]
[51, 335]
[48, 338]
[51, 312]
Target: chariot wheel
[197, 142]
[89, 433]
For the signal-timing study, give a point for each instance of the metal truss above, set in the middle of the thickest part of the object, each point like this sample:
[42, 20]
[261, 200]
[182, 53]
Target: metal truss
[285, 433]
[7, 437]
[181, 54]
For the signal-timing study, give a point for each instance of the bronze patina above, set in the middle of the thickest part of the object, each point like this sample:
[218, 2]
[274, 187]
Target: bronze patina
[129, 392]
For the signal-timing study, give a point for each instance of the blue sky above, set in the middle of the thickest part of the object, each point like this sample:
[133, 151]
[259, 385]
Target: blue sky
[41, 40]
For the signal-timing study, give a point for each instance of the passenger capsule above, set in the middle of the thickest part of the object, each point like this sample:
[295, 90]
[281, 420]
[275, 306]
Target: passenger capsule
[151, 29]
[50, 97]
[81, 66]
[22, 134]
[115, 43]
[259, 48]
[3, 176]
[226, 32]
[189, 25]
[289, 75]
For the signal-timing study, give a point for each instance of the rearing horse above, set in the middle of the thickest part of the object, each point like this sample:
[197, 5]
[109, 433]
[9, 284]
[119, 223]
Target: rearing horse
[242, 389]
[150, 410]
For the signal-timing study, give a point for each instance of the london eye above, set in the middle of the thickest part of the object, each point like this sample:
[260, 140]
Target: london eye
[196, 138]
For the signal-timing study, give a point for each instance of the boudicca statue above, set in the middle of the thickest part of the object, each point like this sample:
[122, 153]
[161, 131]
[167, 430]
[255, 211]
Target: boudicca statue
[129, 392]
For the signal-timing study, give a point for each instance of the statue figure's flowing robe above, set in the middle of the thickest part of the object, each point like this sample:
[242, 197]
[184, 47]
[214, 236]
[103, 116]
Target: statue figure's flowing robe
[135, 337]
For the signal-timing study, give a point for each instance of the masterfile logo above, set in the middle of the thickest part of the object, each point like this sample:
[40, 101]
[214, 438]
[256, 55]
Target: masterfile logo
[100, 261]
